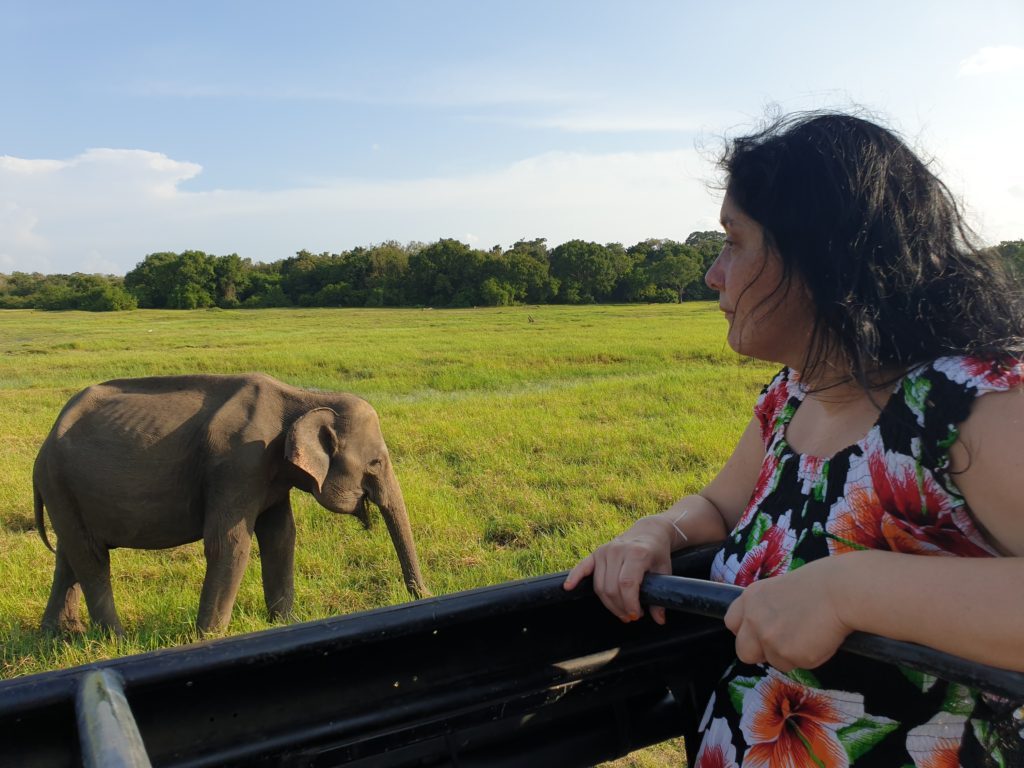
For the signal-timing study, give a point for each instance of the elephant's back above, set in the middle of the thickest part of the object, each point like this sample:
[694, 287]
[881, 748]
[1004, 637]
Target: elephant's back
[134, 453]
[142, 413]
[126, 424]
[110, 431]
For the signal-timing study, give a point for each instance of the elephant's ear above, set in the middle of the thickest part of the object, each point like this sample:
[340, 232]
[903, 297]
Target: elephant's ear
[310, 443]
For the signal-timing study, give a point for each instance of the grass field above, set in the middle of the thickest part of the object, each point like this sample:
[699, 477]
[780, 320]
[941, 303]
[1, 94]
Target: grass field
[522, 437]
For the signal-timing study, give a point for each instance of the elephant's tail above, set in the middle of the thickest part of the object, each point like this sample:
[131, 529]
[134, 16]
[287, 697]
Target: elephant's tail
[40, 520]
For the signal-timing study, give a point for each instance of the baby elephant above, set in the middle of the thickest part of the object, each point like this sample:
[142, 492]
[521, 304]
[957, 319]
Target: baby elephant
[157, 462]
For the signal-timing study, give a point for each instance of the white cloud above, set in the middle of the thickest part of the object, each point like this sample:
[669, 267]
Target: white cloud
[999, 58]
[20, 166]
[106, 209]
[986, 178]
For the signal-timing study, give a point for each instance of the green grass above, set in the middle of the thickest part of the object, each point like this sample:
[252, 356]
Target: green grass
[523, 437]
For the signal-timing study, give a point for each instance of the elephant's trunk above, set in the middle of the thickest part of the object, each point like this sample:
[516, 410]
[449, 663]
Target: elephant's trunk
[392, 508]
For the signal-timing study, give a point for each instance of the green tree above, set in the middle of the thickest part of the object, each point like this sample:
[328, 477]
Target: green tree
[93, 293]
[195, 283]
[152, 280]
[385, 284]
[174, 281]
[527, 269]
[674, 267]
[708, 245]
[1012, 254]
[302, 276]
[445, 274]
[586, 271]
[55, 295]
[19, 289]
[496, 294]
[232, 275]
[264, 289]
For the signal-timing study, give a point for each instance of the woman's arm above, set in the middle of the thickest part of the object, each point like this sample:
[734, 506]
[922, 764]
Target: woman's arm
[619, 566]
[971, 607]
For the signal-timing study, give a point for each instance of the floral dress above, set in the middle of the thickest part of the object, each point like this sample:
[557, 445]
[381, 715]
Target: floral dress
[892, 490]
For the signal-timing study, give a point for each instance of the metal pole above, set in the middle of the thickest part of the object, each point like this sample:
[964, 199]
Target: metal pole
[106, 728]
[708, 598]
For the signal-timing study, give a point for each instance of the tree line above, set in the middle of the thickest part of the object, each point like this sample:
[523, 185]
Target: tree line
[446, 273]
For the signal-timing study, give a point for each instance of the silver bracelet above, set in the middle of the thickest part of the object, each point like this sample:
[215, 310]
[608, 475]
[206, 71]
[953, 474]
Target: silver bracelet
[679, 530]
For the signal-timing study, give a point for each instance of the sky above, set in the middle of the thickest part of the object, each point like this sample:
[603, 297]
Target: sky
[258, 128]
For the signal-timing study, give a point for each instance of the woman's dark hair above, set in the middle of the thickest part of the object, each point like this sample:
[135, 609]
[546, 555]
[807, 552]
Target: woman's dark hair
[879, 242]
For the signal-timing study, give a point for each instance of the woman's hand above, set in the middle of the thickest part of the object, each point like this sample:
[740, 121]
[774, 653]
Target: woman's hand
[619, 566]
[790, 621]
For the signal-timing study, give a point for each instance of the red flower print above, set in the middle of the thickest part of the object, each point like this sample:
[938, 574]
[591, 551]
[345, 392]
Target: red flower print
[767, 480]
[769, 407]
[717, 750]
[888, 505]
[811, 474]
[982, 374]
[770, 557]
[936, 744]
[789, 725]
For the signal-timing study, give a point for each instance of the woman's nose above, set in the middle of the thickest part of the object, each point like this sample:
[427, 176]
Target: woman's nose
[713, 277]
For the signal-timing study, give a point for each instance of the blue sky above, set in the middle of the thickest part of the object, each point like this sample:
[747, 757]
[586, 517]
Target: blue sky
[128, 128]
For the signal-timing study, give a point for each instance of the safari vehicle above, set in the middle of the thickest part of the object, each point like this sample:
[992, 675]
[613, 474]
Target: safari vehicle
[520, 673]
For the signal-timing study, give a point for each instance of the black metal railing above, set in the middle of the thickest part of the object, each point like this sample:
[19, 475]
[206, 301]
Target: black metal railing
[513, 674]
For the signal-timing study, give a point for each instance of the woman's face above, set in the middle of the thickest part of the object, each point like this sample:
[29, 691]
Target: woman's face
[768, 319]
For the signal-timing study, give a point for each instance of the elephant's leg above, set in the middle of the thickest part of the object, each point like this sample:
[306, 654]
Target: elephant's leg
[275, 532]
[93, 569]
[85, 560]
[62, 610]
[226, 544]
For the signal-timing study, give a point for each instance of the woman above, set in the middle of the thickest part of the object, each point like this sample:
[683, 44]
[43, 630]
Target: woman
[893, 436]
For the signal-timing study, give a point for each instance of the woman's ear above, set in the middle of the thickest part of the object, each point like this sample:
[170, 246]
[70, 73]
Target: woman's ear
[310, 442]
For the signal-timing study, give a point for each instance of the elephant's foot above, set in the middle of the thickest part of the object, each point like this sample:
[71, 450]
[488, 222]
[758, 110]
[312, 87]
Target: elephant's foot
[63, 626]
[206, 633]
[73, 626]
[209, 624]
[282, 616]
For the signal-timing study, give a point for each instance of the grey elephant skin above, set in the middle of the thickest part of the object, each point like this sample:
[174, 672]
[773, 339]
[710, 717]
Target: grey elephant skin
[158, 462]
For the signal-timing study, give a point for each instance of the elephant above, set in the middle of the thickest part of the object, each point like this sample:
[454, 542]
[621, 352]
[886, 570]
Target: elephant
[151, 463]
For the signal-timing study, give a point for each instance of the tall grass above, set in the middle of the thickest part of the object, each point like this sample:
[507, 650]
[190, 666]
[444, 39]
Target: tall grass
[523, 437]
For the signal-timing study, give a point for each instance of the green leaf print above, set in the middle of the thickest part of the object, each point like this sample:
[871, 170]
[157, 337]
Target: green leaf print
[820, 487]
[959, 700]
[862, 736]
[922, 680]
[983, 733]
[915, 393]
[947, 442]
[785, 414]
[761, 524]
[919, 472]
[738, 689]
[804, 677]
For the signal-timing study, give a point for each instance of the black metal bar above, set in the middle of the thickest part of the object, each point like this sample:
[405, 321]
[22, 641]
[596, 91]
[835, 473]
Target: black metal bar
[521, 671]
[107, 731]
[706, 598]
[517, 673]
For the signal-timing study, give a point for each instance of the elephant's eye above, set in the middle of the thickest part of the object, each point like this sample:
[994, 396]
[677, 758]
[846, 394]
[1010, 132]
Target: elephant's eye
[376, 463]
